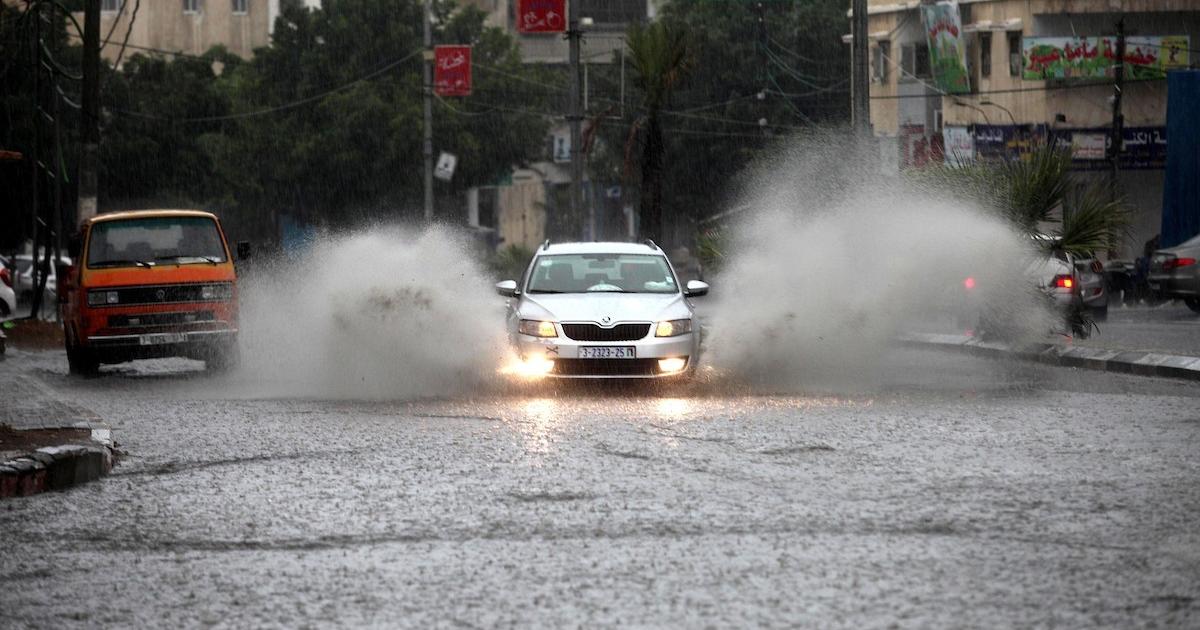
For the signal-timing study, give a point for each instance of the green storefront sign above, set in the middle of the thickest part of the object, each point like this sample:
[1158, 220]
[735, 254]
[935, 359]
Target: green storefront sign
[1095, 57]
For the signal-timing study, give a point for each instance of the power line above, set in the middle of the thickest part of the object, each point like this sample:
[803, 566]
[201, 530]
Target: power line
[278, 108]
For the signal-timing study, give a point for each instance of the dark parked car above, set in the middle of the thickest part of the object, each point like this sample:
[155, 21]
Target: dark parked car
[1174, 273]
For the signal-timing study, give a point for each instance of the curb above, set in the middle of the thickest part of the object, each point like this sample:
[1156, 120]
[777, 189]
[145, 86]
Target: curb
[54, 468]
[1123, 362]
[80, 444]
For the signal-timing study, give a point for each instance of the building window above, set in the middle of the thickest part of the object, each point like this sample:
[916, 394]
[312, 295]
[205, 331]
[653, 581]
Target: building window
[880, 60]
[985, 55]
[240, 6]
[914, 61]
[191, 6]
[110, 6]
[1015, 59]
[614, 11]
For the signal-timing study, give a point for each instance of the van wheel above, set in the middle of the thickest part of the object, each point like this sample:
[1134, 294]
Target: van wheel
[1193, 303]
[82, 361]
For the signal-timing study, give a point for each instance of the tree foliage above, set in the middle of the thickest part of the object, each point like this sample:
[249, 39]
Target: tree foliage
[778, 62]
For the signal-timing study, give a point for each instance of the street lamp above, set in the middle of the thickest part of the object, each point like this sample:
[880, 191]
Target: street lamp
[1000, 107]
[962, 103]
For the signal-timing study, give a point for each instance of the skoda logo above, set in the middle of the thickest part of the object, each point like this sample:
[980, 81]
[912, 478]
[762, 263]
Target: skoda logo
[606, 319]
[161, 295]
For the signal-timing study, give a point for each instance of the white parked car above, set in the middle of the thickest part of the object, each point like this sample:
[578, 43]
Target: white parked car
[8, 298]
[23, 278]
[603, 310]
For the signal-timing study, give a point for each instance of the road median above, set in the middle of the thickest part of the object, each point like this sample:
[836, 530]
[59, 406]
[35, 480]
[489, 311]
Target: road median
[1122, 361]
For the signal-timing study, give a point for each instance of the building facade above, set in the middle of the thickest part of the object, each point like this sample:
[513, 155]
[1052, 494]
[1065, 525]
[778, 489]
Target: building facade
[1030, 71]
[187, 26]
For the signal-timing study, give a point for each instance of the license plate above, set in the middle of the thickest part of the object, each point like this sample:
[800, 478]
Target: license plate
[161, 338]
[607, 352]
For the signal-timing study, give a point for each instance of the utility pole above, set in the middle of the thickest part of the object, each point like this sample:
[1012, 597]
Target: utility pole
[574, 35]
[860, 85]
[90, 115]
[428, 142]
[1118, 120]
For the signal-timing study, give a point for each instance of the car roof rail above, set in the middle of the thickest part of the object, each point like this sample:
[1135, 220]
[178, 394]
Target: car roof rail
[546, 245]
[651, 243]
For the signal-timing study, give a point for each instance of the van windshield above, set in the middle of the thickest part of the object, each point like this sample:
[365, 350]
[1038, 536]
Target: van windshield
[155, 240]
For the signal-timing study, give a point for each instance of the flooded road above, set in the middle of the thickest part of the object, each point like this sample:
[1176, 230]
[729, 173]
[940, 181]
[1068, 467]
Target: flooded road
[951, 491]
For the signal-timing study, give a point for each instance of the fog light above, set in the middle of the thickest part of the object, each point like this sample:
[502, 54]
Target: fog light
[667, 366]
[529, 368]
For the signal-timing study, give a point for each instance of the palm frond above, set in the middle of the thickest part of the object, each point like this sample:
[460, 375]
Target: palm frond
[1096, 222]
[1035, 187]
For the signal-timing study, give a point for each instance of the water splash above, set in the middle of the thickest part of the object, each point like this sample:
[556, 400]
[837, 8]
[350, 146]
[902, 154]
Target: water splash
[384, 313]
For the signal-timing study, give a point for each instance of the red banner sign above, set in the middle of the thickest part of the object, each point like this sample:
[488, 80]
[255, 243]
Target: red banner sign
[541, 16]
[452, 70]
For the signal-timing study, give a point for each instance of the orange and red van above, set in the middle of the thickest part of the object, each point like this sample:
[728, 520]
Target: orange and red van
[149, 284]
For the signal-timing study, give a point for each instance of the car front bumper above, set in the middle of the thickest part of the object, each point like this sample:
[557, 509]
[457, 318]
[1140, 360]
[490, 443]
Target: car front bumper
[648, 353]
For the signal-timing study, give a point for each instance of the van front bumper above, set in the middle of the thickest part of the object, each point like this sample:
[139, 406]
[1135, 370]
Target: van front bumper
[149, 340]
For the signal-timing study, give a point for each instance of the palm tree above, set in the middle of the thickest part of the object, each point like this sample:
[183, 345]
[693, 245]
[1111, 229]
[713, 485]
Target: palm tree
[1034, 193]
[660, 56]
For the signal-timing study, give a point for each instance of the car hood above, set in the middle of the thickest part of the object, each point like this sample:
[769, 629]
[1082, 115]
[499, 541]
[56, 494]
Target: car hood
[594, 307]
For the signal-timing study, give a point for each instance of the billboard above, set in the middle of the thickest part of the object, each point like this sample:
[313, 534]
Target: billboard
[541, 16]
[1095, 57]
[947, 52]
[452, 70]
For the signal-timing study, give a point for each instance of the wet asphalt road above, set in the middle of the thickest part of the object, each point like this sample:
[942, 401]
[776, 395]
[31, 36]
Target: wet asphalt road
[953, 492]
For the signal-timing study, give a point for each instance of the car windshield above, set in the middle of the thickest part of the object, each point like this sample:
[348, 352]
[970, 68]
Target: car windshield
[155, 240]
[597, 273]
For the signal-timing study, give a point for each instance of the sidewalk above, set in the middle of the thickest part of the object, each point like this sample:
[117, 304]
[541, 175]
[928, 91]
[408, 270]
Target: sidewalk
[46, 442]
[1091, 356]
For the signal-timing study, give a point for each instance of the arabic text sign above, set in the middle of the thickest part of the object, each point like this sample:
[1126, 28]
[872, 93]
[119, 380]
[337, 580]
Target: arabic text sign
[541, 16]
[452, 70]
[1094, 57]
[947, 53]
[959, 145]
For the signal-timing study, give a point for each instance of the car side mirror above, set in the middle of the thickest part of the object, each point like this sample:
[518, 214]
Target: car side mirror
[696, 288]
[507, 288]
[243, 250]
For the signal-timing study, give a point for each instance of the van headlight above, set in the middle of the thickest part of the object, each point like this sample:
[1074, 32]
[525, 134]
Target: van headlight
[673, 328]
[216, 292]
[101, 298]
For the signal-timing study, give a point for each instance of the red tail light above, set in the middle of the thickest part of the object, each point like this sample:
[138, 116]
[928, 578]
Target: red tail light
[1064, 282]
[1175, 263]
[5, 276]
[969, 283]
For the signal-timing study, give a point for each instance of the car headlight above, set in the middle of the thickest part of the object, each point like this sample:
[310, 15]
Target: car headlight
[673, 328]
[537, 328]
[100, 298]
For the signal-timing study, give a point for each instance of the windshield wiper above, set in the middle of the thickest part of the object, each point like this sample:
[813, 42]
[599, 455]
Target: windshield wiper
[209, 259]
[123, 261]
[545, 291]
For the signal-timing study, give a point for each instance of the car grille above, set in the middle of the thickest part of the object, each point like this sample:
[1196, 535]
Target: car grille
[606, 367]
[163, 294]
[159, 319]
[592, 332]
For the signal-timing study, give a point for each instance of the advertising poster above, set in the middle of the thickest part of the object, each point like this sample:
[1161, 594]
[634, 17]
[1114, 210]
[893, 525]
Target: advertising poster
[947, 51]
[1095, 57]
